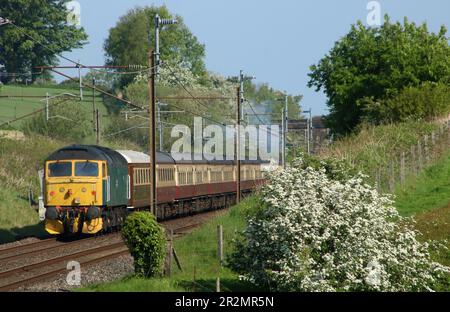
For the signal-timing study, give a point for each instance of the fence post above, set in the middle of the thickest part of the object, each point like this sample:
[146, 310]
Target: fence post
[426, 149]
[402, 169]
[170, 255]
[219, 254]
[391, 177]
[220, 243]
[419, 157]
[413, 161]
[433, 146]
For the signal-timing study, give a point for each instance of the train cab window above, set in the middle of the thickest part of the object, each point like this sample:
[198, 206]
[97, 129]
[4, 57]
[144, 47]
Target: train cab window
[60, 169]
[103, 170]
[86, 169]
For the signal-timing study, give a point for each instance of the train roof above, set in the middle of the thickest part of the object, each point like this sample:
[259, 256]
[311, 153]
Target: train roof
[134, 157]
[124, 157]
[88, 152]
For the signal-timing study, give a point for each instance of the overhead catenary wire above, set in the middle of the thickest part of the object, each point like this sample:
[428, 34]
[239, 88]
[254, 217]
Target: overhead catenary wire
[199, 101]
[33, 113]
[125, 130]
[78, 64]
[184, 87]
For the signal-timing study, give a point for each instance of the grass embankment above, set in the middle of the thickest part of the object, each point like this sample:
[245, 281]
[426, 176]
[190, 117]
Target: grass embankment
[198, 256]
[20, 105]
[427, 199]
[19, 165]
[374, 146]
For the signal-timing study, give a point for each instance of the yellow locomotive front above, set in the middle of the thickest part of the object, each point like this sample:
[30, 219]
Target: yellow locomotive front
[73, 195]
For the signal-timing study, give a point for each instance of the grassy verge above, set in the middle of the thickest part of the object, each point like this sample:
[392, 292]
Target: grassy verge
[198, 256]
[373, 146]
[19, 165]
[427, 199]
[429, 191]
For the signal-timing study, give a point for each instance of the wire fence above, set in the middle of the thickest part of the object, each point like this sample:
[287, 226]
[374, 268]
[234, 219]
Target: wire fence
[409, 163]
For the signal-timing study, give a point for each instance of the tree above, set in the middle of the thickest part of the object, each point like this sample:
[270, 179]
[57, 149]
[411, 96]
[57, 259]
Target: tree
[38, 22]
[128, 41]
[373, 64]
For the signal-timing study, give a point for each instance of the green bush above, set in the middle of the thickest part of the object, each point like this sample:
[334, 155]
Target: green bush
[427, 101]
[146, 240]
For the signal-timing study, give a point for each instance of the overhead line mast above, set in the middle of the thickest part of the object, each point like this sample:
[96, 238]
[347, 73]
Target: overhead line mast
[154, 63]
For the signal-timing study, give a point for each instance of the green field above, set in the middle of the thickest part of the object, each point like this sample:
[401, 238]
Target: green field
[19, 105]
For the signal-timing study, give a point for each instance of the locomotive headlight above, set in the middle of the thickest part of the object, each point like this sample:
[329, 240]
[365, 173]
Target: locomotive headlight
[83, 190]
[62, 190]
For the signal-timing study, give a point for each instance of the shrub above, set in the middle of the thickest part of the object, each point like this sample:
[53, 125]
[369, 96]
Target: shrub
[146, 240]
[316, 233]
[427, 101]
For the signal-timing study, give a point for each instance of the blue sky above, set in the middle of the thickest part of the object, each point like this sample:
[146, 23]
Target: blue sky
[276, 41]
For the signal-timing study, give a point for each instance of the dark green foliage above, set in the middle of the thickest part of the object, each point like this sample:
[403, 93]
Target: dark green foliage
[412, 103]
[335, 169]
[373, 65]
[147, 243]
[68, 121]
[128, 41]
[38, 21]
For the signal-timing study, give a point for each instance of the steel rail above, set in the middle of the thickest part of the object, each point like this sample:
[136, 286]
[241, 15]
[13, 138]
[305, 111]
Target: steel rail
[58, 245]
[55, 272]
[38, 243]
[29, 267]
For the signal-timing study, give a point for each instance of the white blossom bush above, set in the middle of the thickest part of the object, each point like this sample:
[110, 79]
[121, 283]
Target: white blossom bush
[175, 72]
[315, 233]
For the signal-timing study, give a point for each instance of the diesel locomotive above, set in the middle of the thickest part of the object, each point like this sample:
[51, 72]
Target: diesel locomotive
[88, 189]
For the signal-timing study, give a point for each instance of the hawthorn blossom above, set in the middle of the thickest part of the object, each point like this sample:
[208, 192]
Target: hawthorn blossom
[315, 233]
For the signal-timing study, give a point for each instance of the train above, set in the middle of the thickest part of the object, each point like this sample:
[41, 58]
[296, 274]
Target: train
[88, 189]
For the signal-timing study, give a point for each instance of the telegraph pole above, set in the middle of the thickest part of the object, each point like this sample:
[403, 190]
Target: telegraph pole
[160, 127]
[152, 136]
[94, 108]
[80, 80]
[47, 115]
[154, 62]
[283, 138]
[308, 130]
[286, 128]
[159, 22]
[238, 140]
[240, 102]
[97, 126]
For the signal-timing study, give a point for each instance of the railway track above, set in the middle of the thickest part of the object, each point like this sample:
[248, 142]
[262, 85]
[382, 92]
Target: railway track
[27, 274]
[17, 252]
[44, 268]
